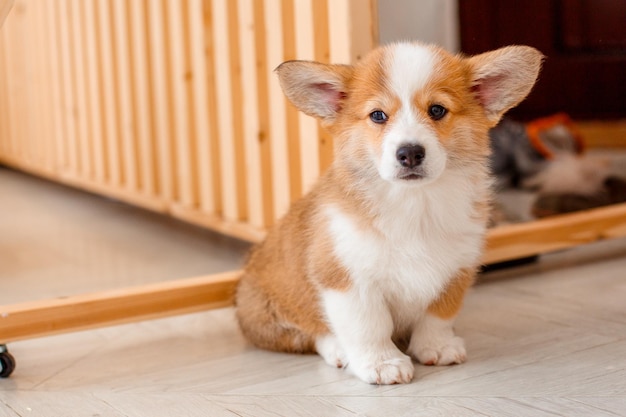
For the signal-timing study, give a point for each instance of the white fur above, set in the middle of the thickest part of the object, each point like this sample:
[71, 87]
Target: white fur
[328, 347]
[433, 342]
[410, 69]
[363, 326]
[420, 238]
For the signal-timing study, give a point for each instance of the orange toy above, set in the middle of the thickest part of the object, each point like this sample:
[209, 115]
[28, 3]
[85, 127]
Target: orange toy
[537, 127]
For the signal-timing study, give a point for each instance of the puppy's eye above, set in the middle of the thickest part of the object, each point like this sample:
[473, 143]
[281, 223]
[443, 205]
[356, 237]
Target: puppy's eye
[378, 116]
[437, 111]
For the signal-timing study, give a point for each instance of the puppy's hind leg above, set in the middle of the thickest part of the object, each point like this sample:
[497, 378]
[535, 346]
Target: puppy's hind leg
[261, 323]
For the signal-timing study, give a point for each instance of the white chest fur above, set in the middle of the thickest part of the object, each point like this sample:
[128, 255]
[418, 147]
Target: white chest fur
[420, 237]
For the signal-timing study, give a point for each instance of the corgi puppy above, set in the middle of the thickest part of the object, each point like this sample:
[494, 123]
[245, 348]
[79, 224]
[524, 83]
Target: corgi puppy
[383, 248]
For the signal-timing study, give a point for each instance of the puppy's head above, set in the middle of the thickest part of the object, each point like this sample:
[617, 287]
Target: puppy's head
[412, 110]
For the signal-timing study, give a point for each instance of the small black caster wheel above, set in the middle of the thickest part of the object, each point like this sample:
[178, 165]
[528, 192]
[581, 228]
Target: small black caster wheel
[7, 362]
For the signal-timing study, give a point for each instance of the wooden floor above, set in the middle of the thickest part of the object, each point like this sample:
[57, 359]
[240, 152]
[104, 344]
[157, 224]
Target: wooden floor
[543, 339]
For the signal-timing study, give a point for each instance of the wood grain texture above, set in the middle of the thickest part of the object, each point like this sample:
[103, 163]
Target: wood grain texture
[42, 318]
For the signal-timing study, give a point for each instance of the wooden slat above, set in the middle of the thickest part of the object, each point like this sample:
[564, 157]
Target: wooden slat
[46, 126]
[223, 111]
[276, 116]
[292, 122]
[192, 141]
[79, 83]
[249, 149]
[210, 115]
[92, 67]
[179, 104]
[67, 88]
[265, 130]
[141, 99]
[237, 103]
[123, 103]
[159, 101]
[81, 312]
[200, 108]
[58, 134]
[107, 94]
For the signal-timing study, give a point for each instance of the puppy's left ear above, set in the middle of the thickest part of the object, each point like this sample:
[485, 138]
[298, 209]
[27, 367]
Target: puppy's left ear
[316, 89]
[504, 77]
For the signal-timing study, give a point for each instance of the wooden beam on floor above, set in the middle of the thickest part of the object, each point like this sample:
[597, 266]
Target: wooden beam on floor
[555, 233]
[86, 311]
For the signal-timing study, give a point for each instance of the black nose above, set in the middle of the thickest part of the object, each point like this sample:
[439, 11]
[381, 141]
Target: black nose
[410, 156]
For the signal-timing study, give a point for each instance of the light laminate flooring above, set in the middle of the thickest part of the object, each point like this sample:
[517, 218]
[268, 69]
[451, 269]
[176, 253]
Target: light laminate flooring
[545, 339]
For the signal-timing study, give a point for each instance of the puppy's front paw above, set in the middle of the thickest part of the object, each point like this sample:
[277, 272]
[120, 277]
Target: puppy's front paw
[440, 352]
[393, 370]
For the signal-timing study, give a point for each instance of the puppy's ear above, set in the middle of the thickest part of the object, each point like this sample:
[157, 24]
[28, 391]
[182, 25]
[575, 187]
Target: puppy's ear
[316, 89]
[504, 77]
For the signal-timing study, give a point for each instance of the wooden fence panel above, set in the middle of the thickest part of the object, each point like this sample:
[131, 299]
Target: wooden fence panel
[172, 105]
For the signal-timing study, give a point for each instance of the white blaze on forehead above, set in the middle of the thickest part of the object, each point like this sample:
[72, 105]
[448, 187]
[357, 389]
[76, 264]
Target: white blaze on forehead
[410, 68]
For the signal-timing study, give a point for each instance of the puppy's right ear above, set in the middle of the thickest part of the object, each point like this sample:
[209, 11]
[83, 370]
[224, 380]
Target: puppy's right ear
[316, 89]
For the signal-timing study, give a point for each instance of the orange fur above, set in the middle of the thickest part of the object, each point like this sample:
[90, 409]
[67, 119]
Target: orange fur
[448, 304]
[272, 291]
